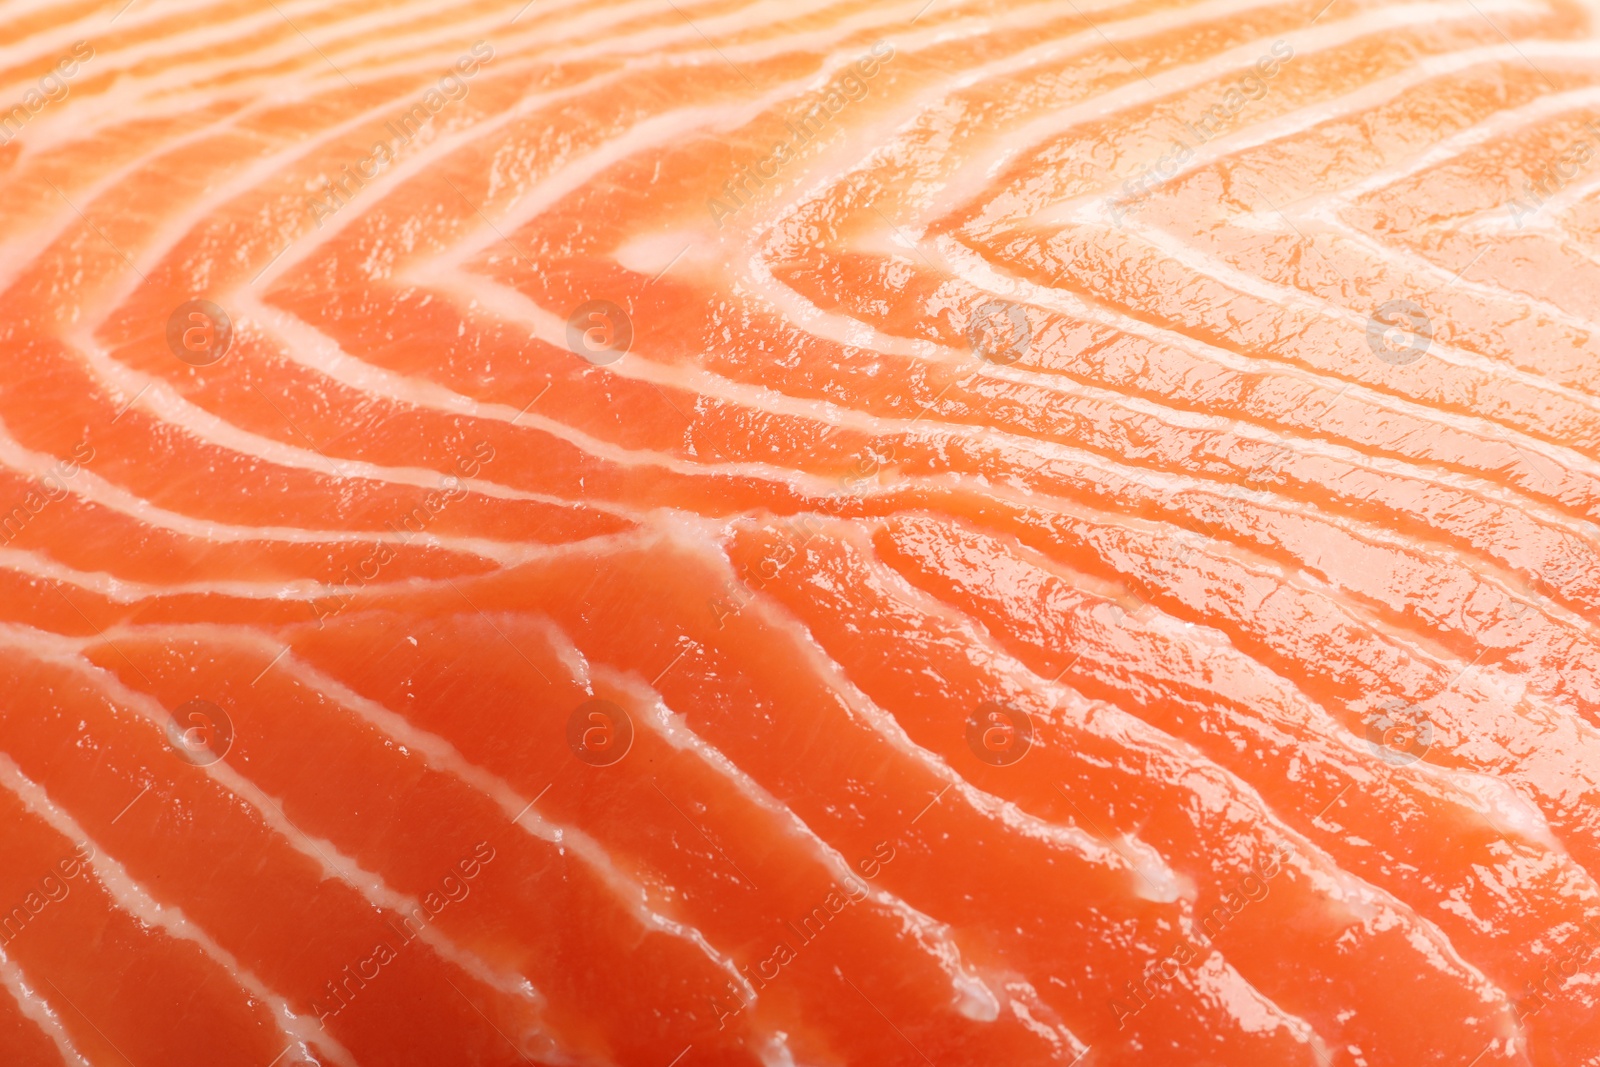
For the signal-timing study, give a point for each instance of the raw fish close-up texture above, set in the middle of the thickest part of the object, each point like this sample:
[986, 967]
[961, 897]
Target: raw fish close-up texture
[800, 533]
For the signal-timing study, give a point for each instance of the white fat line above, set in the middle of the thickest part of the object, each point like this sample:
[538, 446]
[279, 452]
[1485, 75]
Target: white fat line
[442, 755]
[266, 90]
[1279, 295]
[1100, 470]
[969, 266]
[1350, 889]
[884, 426]
[1030, 1009]
[448, 141]
[1494, 125]
[130, 896]
[424, 162]
[1578, 240]
[257, 177]
[933, 939]
[1248, 563]
[303, 344]
[1557, 722]
[1488, 696]
[1058, 386]
[654, 131]
[687, 378]
[978, 273]
[831, 415]
[1567, 199]
[1218, 981]
[570, 174]
[1551, 222]
[857, 706]
[973, 180]
[1306, 118]
[336, 866]
[91, 25]
[90, 488]
[974, 270]
[188, 61]
[36, 1008]
[309, 347]
[273, 165]
[726, 35]
[1512, 793]
[1288, 705]
[571, 658]
[902, 115]
[515, 307]
[786, 31]
[1201, 641]
[974, 176]
[369, 47]
[37, 565]
[762, 400]
[1162, 485]
[301, 590]
[1150, 743]
[1406, 258]
[166, 404]
[843, 41]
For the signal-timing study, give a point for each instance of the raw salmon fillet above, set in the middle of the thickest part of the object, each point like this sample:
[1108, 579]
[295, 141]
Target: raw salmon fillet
[708, 533]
